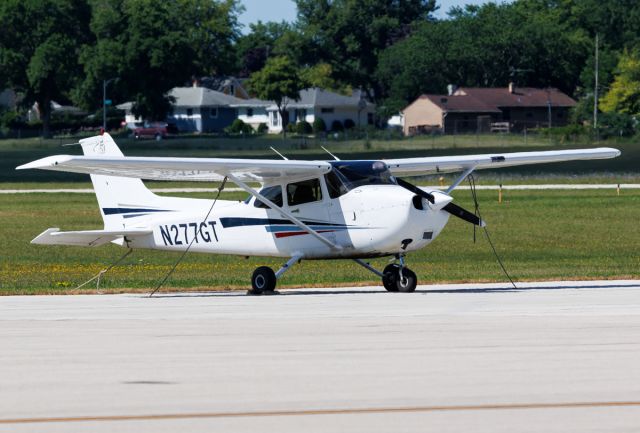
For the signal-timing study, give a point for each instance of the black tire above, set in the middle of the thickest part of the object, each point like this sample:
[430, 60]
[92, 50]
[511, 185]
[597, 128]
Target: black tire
[389, 280]
[408, 282]
[158, 137]
[263, 280]
[136, 136]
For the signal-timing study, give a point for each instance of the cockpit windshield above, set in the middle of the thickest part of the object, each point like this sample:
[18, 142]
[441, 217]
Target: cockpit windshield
[348, 175]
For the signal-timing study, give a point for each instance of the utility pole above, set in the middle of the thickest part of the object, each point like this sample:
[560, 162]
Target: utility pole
[595, 91]
[105, 83]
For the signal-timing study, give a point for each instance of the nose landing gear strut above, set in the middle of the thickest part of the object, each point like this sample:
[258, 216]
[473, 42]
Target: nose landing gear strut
[396, 277]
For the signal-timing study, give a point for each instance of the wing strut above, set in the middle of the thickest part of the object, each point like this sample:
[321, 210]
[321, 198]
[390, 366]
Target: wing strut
[284, 213]
[459, 180]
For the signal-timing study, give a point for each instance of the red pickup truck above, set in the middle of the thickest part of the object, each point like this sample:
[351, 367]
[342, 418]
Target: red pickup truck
[155, 130]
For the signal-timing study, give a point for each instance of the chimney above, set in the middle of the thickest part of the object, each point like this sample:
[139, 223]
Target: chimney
[451, 88]
[512, 87]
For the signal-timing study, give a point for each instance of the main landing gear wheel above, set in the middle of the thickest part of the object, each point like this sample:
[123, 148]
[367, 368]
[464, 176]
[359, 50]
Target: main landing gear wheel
[263, 280]
[393, 282]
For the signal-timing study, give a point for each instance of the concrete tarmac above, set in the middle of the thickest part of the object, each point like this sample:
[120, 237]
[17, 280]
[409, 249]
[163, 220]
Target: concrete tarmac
[552, 357]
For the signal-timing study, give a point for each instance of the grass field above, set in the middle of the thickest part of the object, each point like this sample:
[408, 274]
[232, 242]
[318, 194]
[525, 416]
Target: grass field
[540, 234]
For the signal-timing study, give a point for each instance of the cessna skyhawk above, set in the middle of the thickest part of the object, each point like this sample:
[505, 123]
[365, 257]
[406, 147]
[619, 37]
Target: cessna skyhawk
[307, 210]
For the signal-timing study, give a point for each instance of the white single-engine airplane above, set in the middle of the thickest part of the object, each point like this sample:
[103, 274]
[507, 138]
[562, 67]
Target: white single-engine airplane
[304, 210]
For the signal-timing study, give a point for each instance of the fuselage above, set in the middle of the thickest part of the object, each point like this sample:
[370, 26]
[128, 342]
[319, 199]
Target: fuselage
[367, 221]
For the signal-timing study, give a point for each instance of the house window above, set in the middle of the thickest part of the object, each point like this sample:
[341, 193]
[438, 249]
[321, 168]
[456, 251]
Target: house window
[326, 110]
[232, 90]
[275, 119]
[213, 113]
[189, 112]
[249, 112]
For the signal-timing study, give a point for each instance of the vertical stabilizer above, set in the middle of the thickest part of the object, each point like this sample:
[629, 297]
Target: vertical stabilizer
[119, 198]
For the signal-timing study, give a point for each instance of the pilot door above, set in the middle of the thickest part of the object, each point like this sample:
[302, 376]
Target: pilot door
[306, 201]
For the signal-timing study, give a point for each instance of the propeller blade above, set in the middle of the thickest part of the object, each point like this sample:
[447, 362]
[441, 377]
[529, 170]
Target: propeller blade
[464, 214]
[414, 189]
[453, 209]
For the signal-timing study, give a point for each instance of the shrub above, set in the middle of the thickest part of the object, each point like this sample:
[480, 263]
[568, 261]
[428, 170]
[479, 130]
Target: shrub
[303, 128]
[616, 125]
[291, 128]
[336, 126]
[349, 124]
[319, 125]
[263, 128]
[239, 127]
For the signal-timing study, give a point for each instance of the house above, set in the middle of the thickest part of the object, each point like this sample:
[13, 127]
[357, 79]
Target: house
[475, 109]
[195, 109]
[8, 99]
[253, 111]
[331, 107]
[199, 109]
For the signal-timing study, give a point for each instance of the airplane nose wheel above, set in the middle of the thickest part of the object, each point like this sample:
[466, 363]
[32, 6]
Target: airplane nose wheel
[263, 280]
[398, 279]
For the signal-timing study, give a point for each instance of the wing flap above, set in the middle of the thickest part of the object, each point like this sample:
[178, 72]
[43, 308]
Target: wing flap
[86, 238]
[191, 169]
[447, 164]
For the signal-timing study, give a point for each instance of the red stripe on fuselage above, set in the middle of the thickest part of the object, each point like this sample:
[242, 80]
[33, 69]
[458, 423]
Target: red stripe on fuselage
[287, 234]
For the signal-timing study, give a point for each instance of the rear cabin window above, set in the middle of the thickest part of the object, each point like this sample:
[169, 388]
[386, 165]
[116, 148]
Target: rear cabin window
[306, 191]
[273, 193]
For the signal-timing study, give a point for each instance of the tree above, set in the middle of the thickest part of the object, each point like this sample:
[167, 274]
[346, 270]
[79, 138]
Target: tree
[486, 46]
[253, 49]
[349, 35]
[39, 46]
[154, 46]
[321, 75]
[279, 81]
[624, 94]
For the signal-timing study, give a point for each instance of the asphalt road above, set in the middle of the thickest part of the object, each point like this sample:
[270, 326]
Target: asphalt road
[552, 357]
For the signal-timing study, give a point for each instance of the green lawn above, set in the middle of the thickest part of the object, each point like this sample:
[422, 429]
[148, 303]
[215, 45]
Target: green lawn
[540, 235]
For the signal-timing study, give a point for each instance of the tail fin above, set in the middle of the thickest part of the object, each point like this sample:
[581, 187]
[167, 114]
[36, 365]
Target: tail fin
[119, 198]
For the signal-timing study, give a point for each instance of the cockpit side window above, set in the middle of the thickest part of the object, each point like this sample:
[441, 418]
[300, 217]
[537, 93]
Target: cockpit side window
[273, 193]
[306, 191]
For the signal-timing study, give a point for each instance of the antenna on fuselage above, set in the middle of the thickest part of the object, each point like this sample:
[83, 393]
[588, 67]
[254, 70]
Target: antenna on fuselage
[283, 157]
[332, 155]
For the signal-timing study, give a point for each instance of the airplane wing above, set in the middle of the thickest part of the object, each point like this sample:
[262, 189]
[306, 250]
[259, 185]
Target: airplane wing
[86, 238]
[190, 169]
[448, 164]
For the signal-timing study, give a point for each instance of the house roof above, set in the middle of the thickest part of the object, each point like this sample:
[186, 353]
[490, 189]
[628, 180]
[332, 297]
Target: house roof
[201, 97]
[492, 100]
[317, 97]
[253, 102]
[461, 103]
[520, 97]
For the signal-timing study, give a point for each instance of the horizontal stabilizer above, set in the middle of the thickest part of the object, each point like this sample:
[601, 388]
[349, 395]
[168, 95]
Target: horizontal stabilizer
[87, 238]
